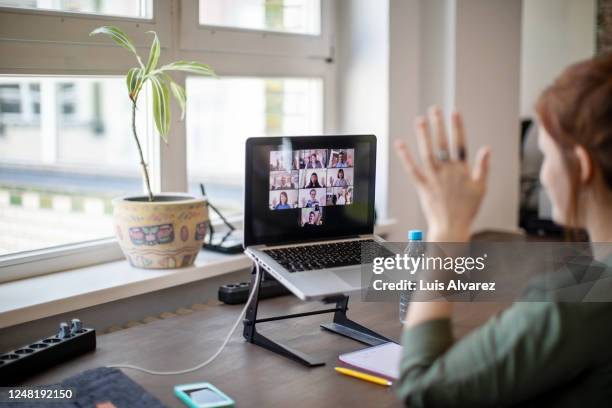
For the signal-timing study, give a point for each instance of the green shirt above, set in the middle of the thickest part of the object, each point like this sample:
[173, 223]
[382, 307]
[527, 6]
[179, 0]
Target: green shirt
[533, 354]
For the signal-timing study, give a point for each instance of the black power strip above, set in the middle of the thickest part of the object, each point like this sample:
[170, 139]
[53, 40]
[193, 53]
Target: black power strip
[18, 364]
[237, 293]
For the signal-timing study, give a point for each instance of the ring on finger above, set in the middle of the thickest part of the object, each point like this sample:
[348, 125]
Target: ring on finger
[443, 155]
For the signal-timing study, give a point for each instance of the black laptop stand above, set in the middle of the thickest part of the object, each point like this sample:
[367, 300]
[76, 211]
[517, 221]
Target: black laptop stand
[341, 325]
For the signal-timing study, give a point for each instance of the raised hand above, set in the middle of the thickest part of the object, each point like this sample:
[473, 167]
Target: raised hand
[449, 191]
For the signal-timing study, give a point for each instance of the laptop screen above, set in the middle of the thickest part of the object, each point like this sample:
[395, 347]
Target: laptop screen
[309, 188]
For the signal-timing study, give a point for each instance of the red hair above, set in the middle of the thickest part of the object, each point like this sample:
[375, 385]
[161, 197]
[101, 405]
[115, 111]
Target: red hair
[577, 110]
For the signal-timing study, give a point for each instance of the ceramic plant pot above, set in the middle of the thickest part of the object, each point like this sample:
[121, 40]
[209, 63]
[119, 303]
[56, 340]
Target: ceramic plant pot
[161, 234]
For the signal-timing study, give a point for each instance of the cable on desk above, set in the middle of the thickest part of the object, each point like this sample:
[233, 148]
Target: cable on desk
[214, 356]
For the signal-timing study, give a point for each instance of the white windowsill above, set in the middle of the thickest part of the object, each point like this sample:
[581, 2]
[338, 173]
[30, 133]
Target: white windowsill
[47, 295]
[61, 292]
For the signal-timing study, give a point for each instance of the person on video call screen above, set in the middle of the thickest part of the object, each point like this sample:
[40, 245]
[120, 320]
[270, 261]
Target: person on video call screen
[311, 217]
[341, 160]
[309, 178]
[340, 180]
[314, 181]
[283, 180]
[283, 200]
[283, 204]
[314, 163]
[312, 201]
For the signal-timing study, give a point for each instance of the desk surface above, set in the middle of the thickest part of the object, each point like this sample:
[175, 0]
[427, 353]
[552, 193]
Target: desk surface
[249, 374]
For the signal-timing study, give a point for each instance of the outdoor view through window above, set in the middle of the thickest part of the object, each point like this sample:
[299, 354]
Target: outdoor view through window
[223, 113]
[66, 147]
[292, 16]
[65, 150]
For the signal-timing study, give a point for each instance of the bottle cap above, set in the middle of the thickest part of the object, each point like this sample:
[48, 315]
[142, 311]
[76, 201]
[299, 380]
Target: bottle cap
[415, 235]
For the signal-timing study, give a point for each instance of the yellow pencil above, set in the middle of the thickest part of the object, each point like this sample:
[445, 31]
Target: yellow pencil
[363, 376]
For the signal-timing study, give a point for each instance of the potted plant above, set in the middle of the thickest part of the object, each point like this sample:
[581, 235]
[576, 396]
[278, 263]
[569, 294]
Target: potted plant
[162, 230]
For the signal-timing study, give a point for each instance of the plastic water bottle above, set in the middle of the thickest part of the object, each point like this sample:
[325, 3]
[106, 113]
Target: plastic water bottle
[413, 249]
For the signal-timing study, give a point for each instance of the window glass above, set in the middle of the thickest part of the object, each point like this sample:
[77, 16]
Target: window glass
[121, 8]
[66, 149]
[291, 16]
[223, 113]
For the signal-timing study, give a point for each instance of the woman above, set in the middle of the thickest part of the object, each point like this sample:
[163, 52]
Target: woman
[314, 181]
[314, 163]
[284, 202]
[340, 180]
[535, 353]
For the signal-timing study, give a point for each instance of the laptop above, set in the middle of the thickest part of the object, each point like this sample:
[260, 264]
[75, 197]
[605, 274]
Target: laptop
[309, 206]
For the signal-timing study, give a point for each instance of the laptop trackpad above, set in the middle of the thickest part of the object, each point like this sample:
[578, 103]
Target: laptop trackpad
[351, 276]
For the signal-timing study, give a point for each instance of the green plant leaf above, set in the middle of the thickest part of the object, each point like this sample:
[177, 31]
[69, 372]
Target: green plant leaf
[189, 66]
[119, 37]
[178, 91]
[161, 106]
[180, 96]
[153, 53]
[134, 79]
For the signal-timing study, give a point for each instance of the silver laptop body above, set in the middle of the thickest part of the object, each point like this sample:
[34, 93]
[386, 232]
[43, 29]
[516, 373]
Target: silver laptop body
[312, 284]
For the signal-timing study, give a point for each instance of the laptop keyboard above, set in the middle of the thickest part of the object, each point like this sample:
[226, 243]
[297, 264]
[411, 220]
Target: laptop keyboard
[322, 256]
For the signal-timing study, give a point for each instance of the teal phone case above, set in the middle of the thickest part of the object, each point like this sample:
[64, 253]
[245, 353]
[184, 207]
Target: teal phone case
[179, 391]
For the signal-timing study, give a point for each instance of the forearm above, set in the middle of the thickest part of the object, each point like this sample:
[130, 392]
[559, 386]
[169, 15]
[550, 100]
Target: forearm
[423, 345]
[420, 312]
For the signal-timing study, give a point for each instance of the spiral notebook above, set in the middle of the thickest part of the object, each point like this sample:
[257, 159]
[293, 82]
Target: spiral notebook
[383, 360]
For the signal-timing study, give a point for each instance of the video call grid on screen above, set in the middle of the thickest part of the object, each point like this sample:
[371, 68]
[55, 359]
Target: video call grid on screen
[310, 179]
[264, 225]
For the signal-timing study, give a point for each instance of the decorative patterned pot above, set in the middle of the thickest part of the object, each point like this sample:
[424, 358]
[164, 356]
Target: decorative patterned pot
[161, 234]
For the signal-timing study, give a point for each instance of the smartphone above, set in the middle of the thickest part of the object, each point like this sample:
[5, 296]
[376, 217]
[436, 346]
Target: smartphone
[316, 207]
[202, 395]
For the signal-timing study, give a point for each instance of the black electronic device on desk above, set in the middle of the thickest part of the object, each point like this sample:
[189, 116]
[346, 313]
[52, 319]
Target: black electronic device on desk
[238, 293]
[71, 341]
[226, 242]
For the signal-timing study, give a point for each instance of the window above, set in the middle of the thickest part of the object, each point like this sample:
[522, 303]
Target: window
[219, 122]
[66, 150]
[66, 147]
[123, 8]
[291, 16]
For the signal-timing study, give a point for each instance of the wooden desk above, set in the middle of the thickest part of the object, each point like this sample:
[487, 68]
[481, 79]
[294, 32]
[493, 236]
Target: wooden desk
[251, 375]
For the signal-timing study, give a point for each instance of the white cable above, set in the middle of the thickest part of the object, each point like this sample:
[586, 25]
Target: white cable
[214, 356]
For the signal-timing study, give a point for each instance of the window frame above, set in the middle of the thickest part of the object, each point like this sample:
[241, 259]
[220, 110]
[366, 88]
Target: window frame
[246, 41]
[29, 36]
[273, 54]
[79, 14]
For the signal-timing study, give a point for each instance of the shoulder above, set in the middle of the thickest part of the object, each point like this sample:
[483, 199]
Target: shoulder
[555, 322]
[573, 283]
